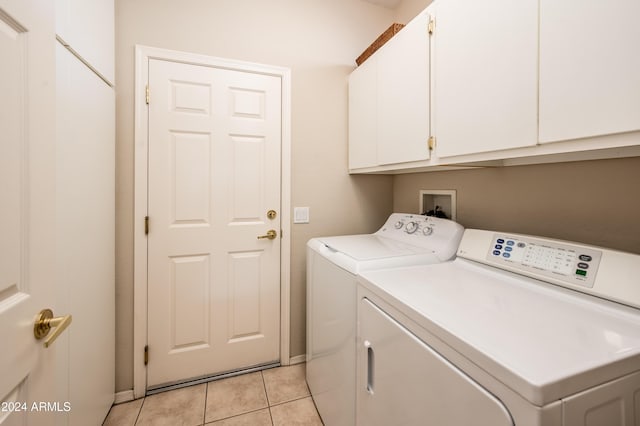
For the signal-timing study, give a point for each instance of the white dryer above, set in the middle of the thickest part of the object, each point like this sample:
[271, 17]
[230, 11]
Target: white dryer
[333, 264]
[518, 330]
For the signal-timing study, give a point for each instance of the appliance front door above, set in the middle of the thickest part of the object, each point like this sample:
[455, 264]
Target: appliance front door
[214, 177]
[403, 381]
[27, 213]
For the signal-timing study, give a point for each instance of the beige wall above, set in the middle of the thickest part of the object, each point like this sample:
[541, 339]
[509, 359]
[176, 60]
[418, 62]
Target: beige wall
[407, 9]
[595, 202]
[318, 40]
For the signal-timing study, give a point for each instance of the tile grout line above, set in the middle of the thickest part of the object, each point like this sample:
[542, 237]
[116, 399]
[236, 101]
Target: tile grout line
[139, 411]
[266, 394]
[206, 396]
[290, 400]
[237, 415]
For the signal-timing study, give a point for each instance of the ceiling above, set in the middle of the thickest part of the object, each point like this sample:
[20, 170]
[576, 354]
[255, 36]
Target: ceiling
[390, 4]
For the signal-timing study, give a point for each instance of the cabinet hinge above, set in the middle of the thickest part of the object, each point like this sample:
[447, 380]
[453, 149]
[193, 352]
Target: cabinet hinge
[146, 225]
[431, 143]
[146, 354]
[431, 27]
[147, 94]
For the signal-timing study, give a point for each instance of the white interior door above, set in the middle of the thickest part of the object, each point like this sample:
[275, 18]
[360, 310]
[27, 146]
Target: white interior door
[27, 210]
[214, 173]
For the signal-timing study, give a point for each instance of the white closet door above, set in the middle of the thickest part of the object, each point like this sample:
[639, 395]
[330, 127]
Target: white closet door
[85, 117]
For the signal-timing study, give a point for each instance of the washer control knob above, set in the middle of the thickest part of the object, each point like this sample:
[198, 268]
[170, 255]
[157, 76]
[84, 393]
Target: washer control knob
[412, 227]
[399, 224]
[427, 230]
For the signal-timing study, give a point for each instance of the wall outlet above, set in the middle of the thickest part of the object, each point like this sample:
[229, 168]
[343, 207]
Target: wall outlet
[444, 200]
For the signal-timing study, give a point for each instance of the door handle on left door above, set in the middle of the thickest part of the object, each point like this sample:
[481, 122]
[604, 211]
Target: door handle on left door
[271, 234]
[45, 322]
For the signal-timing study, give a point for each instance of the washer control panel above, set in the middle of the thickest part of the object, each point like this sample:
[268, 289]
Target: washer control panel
[439, 235]
[412, 224]
[569, 263]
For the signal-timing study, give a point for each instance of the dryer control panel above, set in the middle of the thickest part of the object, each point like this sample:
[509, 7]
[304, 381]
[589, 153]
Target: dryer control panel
[602, 272]
[573, 264]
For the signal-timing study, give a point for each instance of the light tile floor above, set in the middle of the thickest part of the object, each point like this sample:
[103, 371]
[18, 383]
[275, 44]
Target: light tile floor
[274, 397]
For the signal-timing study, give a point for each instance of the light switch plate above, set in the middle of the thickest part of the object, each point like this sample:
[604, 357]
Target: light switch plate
[301, 215]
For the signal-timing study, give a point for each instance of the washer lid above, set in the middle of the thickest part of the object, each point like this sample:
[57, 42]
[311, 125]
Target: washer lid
[371, 247]
[543, 341]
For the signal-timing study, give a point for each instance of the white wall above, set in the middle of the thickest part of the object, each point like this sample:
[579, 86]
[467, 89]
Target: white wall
[319, 40]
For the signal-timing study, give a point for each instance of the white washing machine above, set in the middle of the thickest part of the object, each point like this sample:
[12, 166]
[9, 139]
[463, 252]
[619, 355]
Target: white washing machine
[333, 264]
[518, 330]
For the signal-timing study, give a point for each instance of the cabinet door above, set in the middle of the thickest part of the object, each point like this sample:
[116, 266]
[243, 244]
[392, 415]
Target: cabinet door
[485, 76]
[88, 27]
[403, 94]
[402, 381]
[589, 68]
[363, 118]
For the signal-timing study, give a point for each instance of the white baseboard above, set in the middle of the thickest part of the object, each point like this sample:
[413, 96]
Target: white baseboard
[299, 359]
[124, 396]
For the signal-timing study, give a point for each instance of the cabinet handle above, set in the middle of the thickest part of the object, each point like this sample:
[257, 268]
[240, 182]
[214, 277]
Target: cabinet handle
[370, 366]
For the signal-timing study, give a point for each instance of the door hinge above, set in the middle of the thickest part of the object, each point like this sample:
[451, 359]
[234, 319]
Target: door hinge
[431, 143]
[146, 225]
[431, 27]
[146, 354]
[147, 94]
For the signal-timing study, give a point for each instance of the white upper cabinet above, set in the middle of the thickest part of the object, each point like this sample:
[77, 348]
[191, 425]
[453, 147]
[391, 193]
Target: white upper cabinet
[87, 26]
[496, 82]
[389, 101]
[363, 115]
[589, 68]
[403, 95]
[485, 75]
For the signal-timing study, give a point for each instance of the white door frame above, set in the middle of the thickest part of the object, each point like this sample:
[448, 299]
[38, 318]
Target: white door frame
[143, 55]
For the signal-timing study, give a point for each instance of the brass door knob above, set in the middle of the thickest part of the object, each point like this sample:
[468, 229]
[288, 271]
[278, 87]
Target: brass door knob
[271, 234]
[45, 322]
